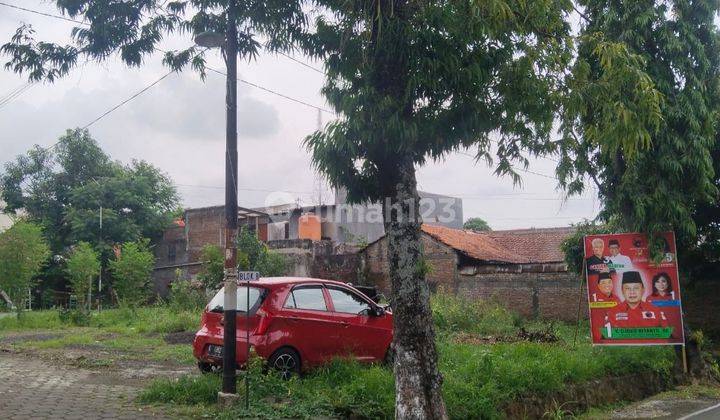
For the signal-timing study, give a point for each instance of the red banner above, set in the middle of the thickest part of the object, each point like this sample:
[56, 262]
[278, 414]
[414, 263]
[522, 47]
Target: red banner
[632, 300]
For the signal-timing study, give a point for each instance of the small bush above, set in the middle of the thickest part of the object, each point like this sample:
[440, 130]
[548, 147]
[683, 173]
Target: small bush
[459, 314]
[186, 390]
[78, 317]
[32, 320]
[186, 295]
[131, 273]
[213, 267]
[83, 265]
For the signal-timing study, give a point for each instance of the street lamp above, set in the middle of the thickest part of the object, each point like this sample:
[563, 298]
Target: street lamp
[210, 39]
[229, 42]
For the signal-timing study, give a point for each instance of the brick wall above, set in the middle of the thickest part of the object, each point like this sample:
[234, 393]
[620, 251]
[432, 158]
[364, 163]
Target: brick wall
[532, 290]
[550, 295]
[441, 258]
[340, 267]
[319, 259]
[180, 247]
[204, 226]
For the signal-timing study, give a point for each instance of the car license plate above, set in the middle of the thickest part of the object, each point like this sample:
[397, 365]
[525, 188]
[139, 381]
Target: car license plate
[215, 351]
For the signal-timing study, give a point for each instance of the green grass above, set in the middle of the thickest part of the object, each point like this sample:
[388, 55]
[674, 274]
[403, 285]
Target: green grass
[478, 378]
[128, 334]
[181, 353]
[153, 319]
[45, 320]
[78, 338]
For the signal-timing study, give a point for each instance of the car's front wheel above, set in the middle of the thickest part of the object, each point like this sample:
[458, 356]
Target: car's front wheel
[286, 362]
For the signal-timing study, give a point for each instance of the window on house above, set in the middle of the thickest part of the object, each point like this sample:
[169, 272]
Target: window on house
[171, 252]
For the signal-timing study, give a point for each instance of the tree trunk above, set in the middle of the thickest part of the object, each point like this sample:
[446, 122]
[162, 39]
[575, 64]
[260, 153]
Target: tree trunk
[417, 379]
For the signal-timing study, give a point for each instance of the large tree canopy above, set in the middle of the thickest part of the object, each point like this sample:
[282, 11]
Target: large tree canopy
[666, 184]
[64, 188]
[134, 29]
[416, 80]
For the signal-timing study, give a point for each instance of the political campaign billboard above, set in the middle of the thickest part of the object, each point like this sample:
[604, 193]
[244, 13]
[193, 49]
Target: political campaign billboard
[632, 299]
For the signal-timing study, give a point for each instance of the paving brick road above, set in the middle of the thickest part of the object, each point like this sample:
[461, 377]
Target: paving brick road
[33, 389]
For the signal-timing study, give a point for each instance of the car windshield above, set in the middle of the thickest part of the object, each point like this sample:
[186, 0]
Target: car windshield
[256, 294]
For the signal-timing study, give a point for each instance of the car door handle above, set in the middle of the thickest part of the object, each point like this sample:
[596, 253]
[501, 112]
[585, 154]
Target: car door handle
[344, 324]
[294, 318]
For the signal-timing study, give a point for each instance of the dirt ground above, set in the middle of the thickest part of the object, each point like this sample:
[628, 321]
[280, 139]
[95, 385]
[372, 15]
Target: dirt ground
[129, 363]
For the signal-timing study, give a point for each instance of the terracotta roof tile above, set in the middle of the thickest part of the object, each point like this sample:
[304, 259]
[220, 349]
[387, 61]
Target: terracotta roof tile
[540, 245]
[508, 246]
[473, 244]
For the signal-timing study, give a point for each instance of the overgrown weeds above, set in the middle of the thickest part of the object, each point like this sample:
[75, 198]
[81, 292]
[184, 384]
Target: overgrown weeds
[482, 372]
[479, 377]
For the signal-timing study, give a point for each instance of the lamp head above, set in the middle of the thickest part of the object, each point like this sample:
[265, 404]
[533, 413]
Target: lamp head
[210, 39]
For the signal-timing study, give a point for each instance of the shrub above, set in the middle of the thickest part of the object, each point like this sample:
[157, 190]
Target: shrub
[131, 273]
[83, 265]
[187, 390]
[23, 252]
[272, 264]
[185, 294]
[213, 267]
[79, 317]
[460, 314]
[255, 256]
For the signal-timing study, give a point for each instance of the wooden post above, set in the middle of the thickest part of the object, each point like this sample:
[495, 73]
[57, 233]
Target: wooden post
[684, 359]
[580, 289]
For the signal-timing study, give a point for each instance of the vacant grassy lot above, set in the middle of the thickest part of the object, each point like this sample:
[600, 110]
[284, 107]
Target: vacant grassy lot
[488, 357]
[152, 340]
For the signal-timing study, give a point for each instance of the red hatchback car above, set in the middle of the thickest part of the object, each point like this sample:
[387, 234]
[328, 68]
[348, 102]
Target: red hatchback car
[296, 324]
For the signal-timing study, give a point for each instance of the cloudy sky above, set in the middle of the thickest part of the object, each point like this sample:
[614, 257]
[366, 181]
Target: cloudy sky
[178, 125]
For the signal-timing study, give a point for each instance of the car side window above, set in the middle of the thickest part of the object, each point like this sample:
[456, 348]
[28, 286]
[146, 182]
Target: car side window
[348, 302]
[306, 298]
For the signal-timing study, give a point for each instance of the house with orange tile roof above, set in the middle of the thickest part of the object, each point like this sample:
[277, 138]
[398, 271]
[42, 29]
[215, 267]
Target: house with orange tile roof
[524, 269]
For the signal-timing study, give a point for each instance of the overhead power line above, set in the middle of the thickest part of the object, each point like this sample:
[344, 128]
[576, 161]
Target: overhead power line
[520, 169]
[247, 82]
[15, 93]
[217, 187]
[37, 12]
[302, 63]
[282, 95]
[138, 93]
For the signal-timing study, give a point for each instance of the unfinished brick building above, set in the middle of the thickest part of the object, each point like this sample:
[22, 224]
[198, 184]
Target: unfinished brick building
[523, 269]
[177, 254]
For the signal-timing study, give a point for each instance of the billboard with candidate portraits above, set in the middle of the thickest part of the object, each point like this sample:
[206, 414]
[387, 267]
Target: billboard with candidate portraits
[632, 299]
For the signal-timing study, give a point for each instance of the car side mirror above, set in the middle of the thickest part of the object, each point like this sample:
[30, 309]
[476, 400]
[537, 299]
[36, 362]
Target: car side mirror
[377, 311]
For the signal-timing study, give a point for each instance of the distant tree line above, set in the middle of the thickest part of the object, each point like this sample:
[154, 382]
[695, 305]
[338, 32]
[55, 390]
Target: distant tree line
[87, 214]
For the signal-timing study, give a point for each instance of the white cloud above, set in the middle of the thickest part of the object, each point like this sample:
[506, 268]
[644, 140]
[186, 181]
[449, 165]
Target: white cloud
[179, 125]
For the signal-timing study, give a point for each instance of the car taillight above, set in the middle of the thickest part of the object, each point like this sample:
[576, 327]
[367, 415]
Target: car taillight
[263, 324]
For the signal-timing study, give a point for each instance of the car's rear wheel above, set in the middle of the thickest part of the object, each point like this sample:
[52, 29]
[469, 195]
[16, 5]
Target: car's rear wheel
[285, 362]
[206, 367]
[389, 359]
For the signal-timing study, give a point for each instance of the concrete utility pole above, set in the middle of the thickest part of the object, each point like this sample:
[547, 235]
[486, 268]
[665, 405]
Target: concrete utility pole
[231, 207]
[101, 268]
[229, 41]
